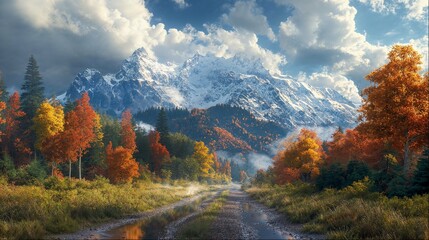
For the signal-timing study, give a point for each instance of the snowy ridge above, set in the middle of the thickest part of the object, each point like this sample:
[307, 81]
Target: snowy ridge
[204, 81]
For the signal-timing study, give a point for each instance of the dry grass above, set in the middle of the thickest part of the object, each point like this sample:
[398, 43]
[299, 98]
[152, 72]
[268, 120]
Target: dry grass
[66, 206]
[350, 213]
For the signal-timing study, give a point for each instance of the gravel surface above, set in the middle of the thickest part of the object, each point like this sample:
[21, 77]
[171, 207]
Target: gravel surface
[244, 218]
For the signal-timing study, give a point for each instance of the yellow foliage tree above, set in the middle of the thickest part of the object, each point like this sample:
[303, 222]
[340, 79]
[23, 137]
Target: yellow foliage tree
[205, 158]
[48, 121]
[301, 156]
[396, 105]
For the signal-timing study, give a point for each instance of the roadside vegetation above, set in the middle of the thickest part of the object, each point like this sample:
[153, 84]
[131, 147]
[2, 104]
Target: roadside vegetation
[350, 213]
[199, 227]
[59, 206]
[368, 182]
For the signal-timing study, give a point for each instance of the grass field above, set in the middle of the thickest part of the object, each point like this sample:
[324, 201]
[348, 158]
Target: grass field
[351, 213]
[60, 206]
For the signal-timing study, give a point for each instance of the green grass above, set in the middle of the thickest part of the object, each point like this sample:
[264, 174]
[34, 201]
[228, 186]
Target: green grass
[199, 227]
[351, 213]
[66, 206]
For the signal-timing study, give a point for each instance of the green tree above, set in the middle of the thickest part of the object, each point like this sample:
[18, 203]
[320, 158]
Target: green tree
[356, 170]
[32, 89]
[420, 182]
[180, 145]
[332, 177]
[4, 95]
[162, 126]
[31, 98]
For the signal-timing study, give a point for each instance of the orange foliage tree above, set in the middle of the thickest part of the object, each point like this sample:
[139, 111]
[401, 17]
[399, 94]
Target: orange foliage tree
[81, 123]
[127, 133]
[158, 152]
[13, 143]
[396, 106]
[353, 145]
[2, 120]
[121, 166]
[301, 158]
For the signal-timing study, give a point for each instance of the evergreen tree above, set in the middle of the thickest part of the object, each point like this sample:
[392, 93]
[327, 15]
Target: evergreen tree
[31, 98]
[356, 170]
[4, 95]
[32, 89]
[420, 182]
[162, 126]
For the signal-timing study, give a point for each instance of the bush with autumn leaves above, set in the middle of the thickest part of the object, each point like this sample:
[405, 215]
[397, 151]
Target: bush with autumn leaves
[388, 145]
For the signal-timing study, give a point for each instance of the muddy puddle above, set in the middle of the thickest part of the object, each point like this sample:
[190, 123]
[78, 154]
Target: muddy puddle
[257, 220]
[152, 228]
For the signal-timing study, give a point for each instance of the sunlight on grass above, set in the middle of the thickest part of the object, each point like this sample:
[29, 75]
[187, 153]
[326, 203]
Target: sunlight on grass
[65, 206]
[350, 213]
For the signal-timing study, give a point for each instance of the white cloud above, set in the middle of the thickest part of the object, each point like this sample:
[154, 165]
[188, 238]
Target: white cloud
[415, 9]
[323, 33]
[379, 6]
[338, 82]
[181, 3]
[110, 29]
[248, 15]
[220, 42]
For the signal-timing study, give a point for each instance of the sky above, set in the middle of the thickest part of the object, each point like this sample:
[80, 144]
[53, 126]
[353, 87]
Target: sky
[327, 43]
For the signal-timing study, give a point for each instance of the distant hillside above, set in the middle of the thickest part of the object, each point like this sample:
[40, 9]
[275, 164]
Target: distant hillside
[222, 127]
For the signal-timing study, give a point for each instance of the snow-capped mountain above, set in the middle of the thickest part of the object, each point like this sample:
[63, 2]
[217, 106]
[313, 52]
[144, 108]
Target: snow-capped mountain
[205, 81]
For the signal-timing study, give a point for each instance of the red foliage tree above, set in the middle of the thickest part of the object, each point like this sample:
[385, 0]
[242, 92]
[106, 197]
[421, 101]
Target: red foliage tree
[127, 133]
[121, 166]
[396, 105]
[80, 124]
[2, 120]
[353, 145]
[13, 143]
[159, 152]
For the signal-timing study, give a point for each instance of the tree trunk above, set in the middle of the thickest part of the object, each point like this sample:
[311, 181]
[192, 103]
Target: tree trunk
[80, 166]
[69, 169]
[406, 154]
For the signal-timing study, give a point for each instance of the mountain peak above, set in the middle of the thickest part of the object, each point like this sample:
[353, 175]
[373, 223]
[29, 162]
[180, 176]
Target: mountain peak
[204, 81]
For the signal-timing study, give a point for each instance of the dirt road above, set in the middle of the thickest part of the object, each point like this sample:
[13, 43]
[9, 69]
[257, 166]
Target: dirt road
[240, 218]
[244, 218]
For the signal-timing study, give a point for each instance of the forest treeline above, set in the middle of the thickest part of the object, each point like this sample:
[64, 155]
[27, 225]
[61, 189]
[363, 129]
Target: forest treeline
[41, 137]
[389, 146]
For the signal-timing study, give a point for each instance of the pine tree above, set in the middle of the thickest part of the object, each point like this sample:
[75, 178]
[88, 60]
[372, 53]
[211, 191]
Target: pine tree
[31, 98]
[420, 183]
[162, 126]
[32, 89]
[3, 92]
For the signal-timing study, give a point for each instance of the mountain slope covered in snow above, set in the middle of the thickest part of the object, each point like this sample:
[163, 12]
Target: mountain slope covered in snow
[205, 81]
